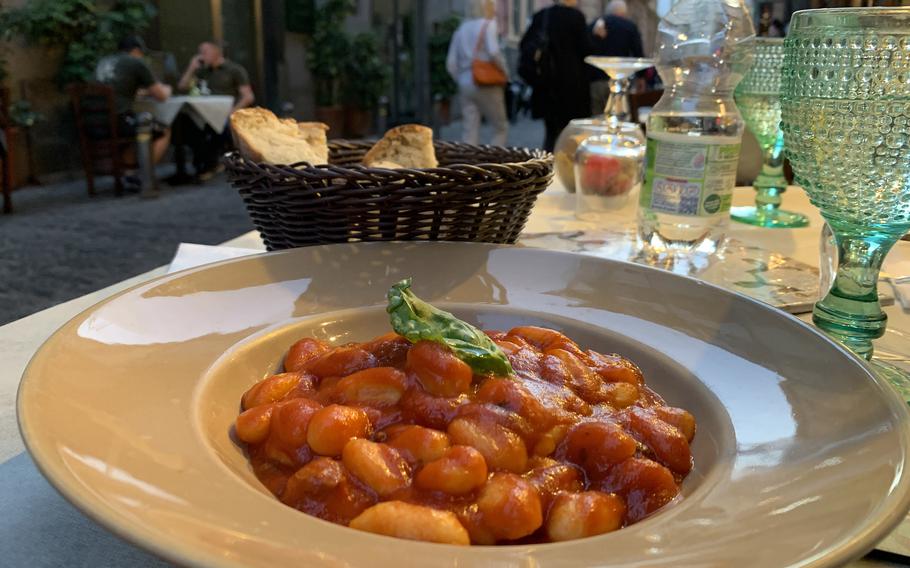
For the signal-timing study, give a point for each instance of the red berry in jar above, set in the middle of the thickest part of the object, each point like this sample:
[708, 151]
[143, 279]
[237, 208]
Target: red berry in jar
[608, 175]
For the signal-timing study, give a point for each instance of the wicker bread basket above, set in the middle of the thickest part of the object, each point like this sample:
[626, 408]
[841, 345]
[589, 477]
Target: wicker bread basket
[478, 193]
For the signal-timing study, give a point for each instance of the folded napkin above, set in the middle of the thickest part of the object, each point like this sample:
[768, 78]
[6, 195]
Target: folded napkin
[191, 255]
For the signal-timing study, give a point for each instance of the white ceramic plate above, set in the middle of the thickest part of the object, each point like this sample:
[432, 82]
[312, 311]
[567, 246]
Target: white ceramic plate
[801, 454]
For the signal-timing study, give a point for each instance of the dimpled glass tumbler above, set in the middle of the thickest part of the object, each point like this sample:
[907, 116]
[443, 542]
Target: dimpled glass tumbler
[758, 99]
[846, 122]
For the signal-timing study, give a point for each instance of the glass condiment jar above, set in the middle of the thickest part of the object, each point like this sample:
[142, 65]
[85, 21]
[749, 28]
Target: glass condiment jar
[576, 132]
[608, 173]
[614, 120]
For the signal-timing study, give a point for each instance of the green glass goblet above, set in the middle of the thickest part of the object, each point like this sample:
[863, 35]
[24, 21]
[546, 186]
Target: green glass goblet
[846, 121]
[758, 99]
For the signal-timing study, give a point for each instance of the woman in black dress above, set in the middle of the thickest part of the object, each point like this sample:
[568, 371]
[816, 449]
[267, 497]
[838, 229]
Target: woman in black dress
[564, 93]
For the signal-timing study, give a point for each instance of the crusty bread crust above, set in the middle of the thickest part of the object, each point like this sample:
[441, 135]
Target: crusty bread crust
[262, 137]
[315, 134]
[405, 146]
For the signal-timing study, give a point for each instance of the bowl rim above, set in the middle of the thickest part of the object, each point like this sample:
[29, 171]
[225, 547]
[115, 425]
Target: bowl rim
[139, 535]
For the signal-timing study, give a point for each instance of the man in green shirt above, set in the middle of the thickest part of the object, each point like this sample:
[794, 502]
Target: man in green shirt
[128, 75]
[218, 75]
[209, 73]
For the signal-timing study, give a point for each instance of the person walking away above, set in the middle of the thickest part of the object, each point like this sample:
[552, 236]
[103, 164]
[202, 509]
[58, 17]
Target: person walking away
[211, 73]
[613, 35]
[127, 73]
[477, 39]
[559, 33]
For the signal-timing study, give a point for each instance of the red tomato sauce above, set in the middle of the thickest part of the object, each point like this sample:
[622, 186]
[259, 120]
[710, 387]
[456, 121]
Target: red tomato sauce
[573, 445]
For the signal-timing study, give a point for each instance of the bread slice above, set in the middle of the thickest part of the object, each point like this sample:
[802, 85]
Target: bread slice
[315, 134]
[405, 146]
[262, 137]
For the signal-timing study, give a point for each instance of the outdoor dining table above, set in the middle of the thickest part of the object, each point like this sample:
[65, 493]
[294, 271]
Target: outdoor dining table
[204, 110]
[39, 528]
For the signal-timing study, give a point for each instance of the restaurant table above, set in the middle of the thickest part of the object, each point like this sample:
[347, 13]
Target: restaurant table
[211, 110]
[39, 528]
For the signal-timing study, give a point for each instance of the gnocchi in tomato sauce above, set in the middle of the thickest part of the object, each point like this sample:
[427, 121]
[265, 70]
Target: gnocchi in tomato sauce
[405, 440]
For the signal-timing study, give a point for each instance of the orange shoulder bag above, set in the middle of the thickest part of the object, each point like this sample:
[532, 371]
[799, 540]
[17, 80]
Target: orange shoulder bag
[486, 73]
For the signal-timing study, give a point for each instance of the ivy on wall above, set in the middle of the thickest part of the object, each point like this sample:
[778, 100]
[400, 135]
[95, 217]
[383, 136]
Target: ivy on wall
[85, 29]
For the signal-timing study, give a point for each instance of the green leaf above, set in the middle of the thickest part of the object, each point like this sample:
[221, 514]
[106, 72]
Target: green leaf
[417, 320]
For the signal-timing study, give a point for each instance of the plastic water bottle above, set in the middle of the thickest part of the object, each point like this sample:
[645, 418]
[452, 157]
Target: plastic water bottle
[695, 130]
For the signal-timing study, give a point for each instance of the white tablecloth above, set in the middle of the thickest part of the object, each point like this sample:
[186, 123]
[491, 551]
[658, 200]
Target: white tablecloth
[212, 110]
[38, 528]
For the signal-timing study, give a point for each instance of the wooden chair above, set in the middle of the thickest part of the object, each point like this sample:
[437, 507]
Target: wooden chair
[103, 146]
[6, 152]
[643, 99]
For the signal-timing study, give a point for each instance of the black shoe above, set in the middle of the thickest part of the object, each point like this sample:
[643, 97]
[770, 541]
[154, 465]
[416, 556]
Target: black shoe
[181, 178]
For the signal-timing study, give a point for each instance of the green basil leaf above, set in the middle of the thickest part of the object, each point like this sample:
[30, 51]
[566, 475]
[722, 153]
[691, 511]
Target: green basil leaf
[416, 320]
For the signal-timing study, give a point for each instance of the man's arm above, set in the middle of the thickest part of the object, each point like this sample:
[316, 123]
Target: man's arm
[452, 55]
[532, 29]
[245, 97]
[187, 77]
[579, 27]
[492, 41]
[159, 91]
[148, 84]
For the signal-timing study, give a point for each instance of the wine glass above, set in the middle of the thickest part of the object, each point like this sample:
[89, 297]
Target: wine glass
[845, 104]
[619, 70]
[758, 99]
[608, 167]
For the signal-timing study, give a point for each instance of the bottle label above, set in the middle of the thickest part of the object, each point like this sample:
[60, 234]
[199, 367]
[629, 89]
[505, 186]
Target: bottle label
[689, 178]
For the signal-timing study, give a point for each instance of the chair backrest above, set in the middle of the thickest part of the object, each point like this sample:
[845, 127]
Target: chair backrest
[96, 111]
[5, 121]
[642, 99]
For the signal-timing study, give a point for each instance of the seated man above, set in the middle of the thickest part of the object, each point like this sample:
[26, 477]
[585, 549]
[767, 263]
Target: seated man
[209, 73]
[128, 75]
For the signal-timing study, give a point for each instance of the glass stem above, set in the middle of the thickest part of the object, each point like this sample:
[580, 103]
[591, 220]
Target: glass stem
[771, 183]
[617, 107]
[851, 311]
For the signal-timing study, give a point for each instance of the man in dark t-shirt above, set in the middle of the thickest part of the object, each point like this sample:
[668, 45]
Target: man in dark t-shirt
[214, 74]
[209, 73]
[127, 74]
[613, 35]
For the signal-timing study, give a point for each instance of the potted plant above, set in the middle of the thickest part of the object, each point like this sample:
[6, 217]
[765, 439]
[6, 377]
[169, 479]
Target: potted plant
[24, 117]
[366, 79]
[327, 54]
[442, 86]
